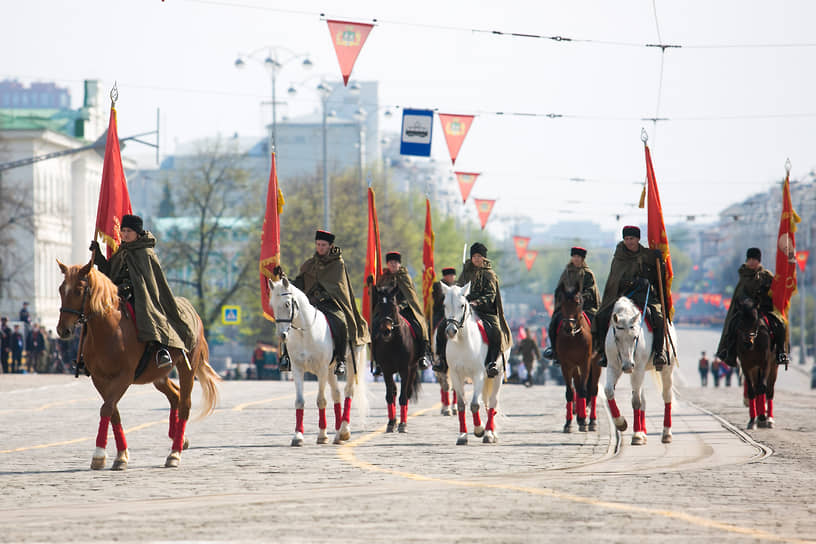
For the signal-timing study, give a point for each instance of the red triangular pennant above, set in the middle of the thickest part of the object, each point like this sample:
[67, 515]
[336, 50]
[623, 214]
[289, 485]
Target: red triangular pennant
[483, 208]
[520, 243]
[348, 39]
[455, 128]
[466, 181]
[529, 259]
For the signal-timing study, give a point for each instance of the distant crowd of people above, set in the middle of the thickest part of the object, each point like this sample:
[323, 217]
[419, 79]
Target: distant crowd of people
[28, 347]
[719, 370]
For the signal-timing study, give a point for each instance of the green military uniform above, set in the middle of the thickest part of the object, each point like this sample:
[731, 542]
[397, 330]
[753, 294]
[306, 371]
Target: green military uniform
[407, 300]
[325, 281]
[484, 291]
[628, 276]
[756, 285]
[579, 278]
[160, 317]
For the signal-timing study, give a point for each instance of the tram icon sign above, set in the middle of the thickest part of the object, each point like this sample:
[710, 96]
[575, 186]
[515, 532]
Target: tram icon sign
[231, 315]
[417, 132]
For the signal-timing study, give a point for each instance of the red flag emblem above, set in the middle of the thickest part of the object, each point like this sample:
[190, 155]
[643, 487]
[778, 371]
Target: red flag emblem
[428, 274]
[373, 263]
[656, 229]
[784, 282]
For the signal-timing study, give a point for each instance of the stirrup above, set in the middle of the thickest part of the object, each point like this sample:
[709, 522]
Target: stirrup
[492, 369]
[285, 364]
[441, 366]
[782, 358]
[424, 362]
[163, 358]
[548, 353]
[377, 370]
[602, 361]
[339, 368]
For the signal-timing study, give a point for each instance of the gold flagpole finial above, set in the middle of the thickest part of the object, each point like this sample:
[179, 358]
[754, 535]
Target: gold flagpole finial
[114, 94]
[644, 136]
[787, 166]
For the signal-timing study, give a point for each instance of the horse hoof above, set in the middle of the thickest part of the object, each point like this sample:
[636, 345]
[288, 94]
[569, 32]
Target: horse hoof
[620, 423]
[462, 440]
[446, 411]
[392, 424]
[173, 460]
[454, 410]
[568, 426]
[582, 425]
[337, 438]
[489, 438]
[119, 464]
[98, 463]
[666, 438]
[770, 423]
[323, 438]
[297, 440]
[186, 443]
[751, 425]
[638, 439]
[344, 432]
[593, 425]
[402, 428]
[479, 431]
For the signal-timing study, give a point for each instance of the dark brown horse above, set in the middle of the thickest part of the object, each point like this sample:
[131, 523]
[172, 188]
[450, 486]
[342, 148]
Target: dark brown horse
[111, 352]
[756, 357]
[573, 343]
[397, 352]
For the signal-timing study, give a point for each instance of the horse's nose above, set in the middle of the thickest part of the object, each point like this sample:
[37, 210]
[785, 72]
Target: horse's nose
[627, 367]
[450, 330]
[63, 332]
[283, 335]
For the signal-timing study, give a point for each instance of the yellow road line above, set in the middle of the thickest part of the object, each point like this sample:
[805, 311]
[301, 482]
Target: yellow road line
[346, 453]
[64, 402]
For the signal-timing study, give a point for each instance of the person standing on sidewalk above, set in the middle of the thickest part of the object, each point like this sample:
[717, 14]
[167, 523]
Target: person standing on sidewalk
[703, 367]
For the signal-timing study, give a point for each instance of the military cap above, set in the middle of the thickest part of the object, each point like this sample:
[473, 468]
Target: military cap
[324, 235]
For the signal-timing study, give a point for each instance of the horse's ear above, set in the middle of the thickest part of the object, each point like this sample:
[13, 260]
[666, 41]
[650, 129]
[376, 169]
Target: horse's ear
[285, 282]
[87, 268]
[63, 268]
[445, 287]
[615, 318]
[466, 289]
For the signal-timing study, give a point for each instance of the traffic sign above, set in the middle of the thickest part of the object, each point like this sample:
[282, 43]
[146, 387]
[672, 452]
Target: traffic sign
[231, 315]
[417, 130]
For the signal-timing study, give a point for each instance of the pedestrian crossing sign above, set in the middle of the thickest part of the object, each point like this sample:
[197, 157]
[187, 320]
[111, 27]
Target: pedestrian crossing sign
[231, 315]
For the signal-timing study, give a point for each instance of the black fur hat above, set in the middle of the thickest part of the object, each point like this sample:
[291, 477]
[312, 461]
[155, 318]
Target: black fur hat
[324, 235]
[134, 223]
[479, 248]
[578, 251]
[631, 230]
[393, 256]
[753, 253]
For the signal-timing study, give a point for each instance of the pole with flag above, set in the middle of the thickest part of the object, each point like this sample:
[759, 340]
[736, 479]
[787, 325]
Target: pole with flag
[270, 239]
[114, 199]
[784, 283]
[428, 274]
[373, 262]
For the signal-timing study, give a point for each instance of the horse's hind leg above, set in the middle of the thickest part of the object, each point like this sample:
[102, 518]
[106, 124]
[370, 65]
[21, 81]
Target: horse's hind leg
[405, 384]
[185, 402]
[666, 377]
[478, 388]
[344, 433]
[769, 393]
[638, 407]
[109, 414]
[570, 397]
[390, 401]
[592, 395]
[613, 374]
[171, 391]
[322, 435]
[459, 392]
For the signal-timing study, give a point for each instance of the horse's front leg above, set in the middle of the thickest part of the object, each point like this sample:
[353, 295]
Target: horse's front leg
[111, 392]
[638, 406]
[750, 378]
[666, 378]
[344, 433]
[300, 403]
[405, 380]
[185, 402]
[478, 387]
[322, 435]
[390, 401]
[613, 374]
[458, 385]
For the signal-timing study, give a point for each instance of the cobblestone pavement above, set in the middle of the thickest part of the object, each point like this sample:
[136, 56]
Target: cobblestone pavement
[241, 481]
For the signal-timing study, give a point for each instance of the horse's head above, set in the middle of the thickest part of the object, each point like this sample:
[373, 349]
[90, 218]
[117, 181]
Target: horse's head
[747, 321]
[283, 303]
[388, 311]
[73, 297]
[626, 329]
[456, 307]
[572, 307]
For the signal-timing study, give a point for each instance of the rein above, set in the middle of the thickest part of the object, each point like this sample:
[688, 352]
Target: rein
[640, 330]
[291, 319]
[79, 363]
[458, 324]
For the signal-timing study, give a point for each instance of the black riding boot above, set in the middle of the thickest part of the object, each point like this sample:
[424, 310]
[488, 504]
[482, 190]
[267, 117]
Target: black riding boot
[658, 337]
[490, 361]
[779, 340]
[441, 342]
[550, 353]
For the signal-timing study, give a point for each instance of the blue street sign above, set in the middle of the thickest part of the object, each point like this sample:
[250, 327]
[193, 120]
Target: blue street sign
[231, 315]
[417, 129]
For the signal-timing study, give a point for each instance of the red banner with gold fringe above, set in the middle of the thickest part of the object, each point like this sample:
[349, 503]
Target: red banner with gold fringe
[784, 282]
[114, 199]
[428, 273]
[270, 239]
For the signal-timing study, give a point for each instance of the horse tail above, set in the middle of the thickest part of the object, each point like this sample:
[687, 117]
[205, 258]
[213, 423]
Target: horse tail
[414, 383]
[207, 377]
[361, 401]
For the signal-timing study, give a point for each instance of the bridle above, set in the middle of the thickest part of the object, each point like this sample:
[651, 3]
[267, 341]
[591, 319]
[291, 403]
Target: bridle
[574, 323]
[83, 319]
[81, 312]
[640, 329]
[293, 309]
[461, 323]
[387, 334]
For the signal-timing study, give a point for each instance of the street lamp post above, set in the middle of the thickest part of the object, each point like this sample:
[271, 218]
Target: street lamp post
[325, 91]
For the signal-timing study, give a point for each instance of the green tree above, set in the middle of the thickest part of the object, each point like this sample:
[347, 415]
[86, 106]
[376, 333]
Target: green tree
[166, 206]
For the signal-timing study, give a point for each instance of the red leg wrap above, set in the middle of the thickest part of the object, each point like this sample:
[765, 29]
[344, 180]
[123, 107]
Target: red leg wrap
[491, 425]
[178, 441]
[102, 434]
[760, 404]
[592, 412]
[613, 407]
[298, 420]
[403, 413]
[445, 398]
[643, 421]
[770, 407]
[455, 399]
[392, 412]
[347, 410]
[569, 411]
[477, 419]
[119, 436]
[667, 415]
[171, 432]
[462, 422]
[636, 422]
[752, 411]
[581, 407]
[321, 418]
[338, 416]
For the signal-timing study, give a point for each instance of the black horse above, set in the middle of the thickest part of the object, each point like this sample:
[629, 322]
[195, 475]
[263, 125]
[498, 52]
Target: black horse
[755, 354]
[396, 351]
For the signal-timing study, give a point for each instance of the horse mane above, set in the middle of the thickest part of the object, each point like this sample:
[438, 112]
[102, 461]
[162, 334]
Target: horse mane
[104, 295]
[624, 304]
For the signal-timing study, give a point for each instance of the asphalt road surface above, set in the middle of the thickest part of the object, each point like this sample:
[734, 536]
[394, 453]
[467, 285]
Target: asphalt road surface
[241, 481]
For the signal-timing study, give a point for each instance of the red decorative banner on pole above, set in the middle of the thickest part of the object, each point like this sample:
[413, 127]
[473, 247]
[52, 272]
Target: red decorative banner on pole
[114, 199]
[520, 243]
[656, 230]
[483, 208]
[348, 39]
[801, 258]
[529, 259]
[466, 181]
[784, 282]
[428, 274]
[373, 262]
[548, 301]
[455, 128]
[270, 239]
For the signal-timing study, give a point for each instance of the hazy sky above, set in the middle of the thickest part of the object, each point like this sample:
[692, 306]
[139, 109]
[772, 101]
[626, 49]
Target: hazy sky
[736, 113]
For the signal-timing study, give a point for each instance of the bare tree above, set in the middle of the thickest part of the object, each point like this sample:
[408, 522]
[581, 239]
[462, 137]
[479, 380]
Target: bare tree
[16, 214]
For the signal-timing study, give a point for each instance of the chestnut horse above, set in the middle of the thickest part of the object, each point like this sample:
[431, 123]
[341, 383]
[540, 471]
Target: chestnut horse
[756, 357]
[396, 350]
[111, 352]
[573, 344]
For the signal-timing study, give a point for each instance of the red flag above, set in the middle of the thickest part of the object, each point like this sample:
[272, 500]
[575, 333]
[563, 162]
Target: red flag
[548, 302]
[656, 229]
[455, 128]
[529, 259]
[428, 274]
[520, 243]
[716, 300]
[373, 262]
[484, 207]
[270, 239]
[784, 282]
[726, 303]
[114, 200]
[466, 181]
[348, 39]
[801, 258]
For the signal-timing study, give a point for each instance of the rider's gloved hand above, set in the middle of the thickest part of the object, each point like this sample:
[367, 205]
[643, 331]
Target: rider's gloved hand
[94, 246]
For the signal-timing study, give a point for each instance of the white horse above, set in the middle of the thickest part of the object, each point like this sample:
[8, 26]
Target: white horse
[629, 350]
[466, 352]
[446, 393]
[305, 332]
